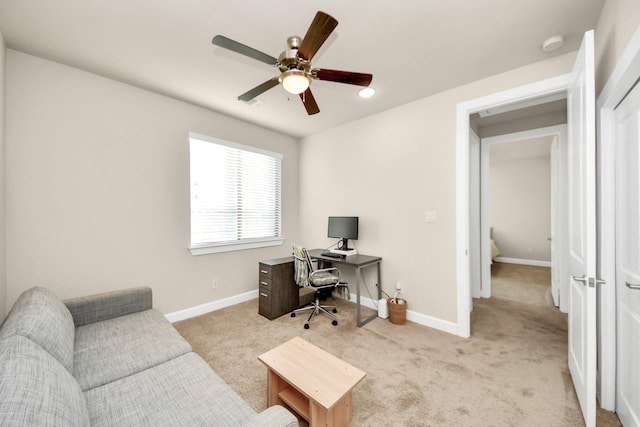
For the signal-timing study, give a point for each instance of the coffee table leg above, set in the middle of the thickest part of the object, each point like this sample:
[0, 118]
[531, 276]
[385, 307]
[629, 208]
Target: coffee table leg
[339, 415]
[320, 417]
[342, 411]
[273, 388]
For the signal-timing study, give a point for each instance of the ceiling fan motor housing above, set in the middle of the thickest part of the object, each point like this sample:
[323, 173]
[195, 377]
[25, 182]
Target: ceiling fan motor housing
[289, 60]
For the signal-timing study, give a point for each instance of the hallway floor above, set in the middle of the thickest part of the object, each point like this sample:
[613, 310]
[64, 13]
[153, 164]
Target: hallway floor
[530, 287]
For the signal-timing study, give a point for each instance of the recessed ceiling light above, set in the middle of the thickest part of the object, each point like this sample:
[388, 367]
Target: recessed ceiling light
[552, 43]
[367, 92]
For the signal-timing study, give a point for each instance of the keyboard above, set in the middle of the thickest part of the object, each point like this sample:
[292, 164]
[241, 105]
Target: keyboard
[332, 255]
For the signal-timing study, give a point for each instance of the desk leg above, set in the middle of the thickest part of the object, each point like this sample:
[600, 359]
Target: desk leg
[360, 323]
[358, 297]
[379, 283]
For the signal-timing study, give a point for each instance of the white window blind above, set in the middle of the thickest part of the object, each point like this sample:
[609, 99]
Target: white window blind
[235, 195]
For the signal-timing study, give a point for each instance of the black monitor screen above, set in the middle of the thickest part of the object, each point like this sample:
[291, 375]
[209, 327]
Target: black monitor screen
[343, 227]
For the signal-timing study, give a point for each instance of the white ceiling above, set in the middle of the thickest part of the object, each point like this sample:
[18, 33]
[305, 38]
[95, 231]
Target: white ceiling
[413, 48]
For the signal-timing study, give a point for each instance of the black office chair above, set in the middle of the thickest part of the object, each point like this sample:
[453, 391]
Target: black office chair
[319, 280]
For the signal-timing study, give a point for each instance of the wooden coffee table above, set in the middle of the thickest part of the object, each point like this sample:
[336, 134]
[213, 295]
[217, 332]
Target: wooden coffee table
[311, 382]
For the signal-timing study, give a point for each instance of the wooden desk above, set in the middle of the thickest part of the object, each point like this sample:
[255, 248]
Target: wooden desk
[313, 383]
[359, 262]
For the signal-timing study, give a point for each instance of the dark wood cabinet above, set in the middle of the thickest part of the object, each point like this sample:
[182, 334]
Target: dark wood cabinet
[278, 292]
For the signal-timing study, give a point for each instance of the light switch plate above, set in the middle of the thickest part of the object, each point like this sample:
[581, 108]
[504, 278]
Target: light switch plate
[431, 216]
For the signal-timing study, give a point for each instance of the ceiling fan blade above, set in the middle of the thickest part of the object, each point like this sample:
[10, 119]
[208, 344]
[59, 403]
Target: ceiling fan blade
[318, 32]
[348, 77]
[261, 88]
[309, 102]
[242, 49]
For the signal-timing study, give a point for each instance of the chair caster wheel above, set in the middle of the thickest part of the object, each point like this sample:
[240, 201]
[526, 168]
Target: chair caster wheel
[293, 315]
[335, 310]
[334, 323]
[306, 326]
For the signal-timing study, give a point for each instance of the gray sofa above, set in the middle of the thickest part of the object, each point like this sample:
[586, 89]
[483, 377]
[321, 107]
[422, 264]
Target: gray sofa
[110, 360]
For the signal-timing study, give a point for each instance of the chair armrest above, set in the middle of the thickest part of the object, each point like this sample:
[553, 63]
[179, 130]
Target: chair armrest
[96, 308]
[275, 416]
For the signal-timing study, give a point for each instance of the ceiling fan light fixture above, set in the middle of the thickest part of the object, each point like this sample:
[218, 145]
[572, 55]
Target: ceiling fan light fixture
[295, 81]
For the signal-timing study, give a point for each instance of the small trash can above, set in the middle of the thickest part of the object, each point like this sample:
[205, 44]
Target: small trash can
[397, 310]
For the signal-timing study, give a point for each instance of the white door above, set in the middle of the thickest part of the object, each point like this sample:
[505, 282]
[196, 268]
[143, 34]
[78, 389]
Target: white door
[628, 259]
[582, 230]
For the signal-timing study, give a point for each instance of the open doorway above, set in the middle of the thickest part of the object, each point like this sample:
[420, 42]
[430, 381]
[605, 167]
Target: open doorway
[520, 188]
[531, 281]
[516, 203]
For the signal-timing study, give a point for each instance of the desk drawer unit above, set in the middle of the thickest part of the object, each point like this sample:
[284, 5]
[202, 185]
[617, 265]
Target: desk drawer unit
[264, 290]
[277, 291]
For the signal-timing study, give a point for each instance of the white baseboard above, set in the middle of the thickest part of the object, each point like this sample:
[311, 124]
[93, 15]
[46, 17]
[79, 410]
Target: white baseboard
[422, 319]
[523, 261]
[210, 306]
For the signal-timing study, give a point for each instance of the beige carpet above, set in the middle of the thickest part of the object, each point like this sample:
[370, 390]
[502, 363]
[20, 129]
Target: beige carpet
[511, 372]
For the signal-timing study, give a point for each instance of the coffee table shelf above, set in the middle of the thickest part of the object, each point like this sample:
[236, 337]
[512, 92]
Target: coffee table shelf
[296, 401]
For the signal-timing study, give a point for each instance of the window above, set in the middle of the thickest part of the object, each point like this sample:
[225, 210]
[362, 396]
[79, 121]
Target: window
[235, 196]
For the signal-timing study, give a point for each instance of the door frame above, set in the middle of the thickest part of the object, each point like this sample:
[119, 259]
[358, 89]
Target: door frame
[620, 82]
[532, 91]
[559, 135]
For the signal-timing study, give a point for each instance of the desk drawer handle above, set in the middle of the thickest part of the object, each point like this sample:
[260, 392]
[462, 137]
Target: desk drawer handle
[264, 283]
[264, 272]
[263, 294]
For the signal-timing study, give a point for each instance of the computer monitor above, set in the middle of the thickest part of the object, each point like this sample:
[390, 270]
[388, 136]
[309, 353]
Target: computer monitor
[345, 228]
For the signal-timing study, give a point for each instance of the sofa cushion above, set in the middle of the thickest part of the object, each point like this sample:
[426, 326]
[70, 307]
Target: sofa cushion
[105, 306]
[40, 316]
[184, 391]
[35, 389]
[113, 349]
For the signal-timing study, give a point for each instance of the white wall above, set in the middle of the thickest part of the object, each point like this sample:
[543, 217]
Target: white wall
[390, 169]
[618, 21]
[98, 189]
[521, 205]
[3, 269]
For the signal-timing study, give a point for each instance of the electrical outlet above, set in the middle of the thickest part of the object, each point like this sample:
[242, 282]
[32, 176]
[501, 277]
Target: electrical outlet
[214, 283]
[398, 286]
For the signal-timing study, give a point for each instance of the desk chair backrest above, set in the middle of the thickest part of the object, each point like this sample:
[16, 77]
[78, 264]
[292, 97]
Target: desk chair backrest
[302, 265]
[307, 276]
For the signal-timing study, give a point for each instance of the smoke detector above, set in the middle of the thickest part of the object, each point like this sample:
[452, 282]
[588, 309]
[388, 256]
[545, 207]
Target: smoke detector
[552, 43]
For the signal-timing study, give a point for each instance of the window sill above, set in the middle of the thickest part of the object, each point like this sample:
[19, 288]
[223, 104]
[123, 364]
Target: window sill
[214, 248]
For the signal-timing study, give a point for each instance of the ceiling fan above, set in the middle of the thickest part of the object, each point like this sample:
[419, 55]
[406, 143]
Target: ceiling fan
[294, 63]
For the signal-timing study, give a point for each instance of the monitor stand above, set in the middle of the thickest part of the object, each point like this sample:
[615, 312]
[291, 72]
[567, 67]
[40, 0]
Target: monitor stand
[347, 252]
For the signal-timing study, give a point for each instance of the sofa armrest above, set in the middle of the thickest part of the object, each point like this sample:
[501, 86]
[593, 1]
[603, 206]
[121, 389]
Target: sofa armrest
[274, 416]
[96, 308]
